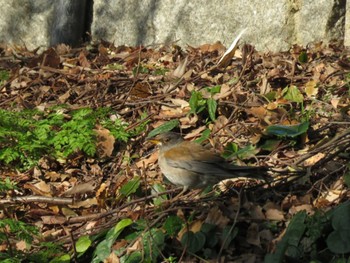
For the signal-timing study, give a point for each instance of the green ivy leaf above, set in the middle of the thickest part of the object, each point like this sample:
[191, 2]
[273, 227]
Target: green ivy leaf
[270, 145]
[302, 57]
[291, 239]
[193, 241]
[196, 102]
[347, 178]
[134, 257]
[103, 249]
[339, 240]
[214, 90]
[172, 225]
[288, 131]
[165, 127]
[153, 243]
[212, 105]
[230, 150]
[83, 243]
[131, 186]
[65, 258]
[205, 136]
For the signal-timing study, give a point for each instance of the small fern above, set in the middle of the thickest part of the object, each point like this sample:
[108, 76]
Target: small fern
[28, 135]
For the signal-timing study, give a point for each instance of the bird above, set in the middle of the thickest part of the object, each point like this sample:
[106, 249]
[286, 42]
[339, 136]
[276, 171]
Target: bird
[190, 165]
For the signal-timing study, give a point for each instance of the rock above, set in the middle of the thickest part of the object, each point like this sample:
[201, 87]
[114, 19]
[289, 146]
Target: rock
[272, 25]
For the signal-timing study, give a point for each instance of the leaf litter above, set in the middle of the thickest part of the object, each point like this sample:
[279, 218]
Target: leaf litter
[291, 109]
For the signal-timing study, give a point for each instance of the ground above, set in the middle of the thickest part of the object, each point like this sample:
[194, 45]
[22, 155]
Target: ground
[76, 163]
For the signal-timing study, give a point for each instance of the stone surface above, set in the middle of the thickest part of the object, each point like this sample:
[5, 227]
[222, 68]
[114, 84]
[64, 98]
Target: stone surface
[26, 22]
[347, 24]
[272, 25]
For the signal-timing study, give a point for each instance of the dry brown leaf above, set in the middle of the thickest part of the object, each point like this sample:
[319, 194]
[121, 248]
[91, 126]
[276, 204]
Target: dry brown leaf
[101, 189]
[188, 121]
[105, 142]
[68, 212]
[218, 46]
[21, 245]
[52, 176]
[180, 102]
[81, 188]
[259, 112]
[273, 212]
[216, 217]
[305, 207]
[63, 98]
[141, 90]
[195, 133]
[272, 105]
[85, 203]
[147, 161]
[53, 220]
[256, 212]
[220, 122]
[83, 61]
[40, 188]
[194, 227]
[311, 89]
[137, 246]
[225, 91]
[335, 102]
[112, 258]
[181, 68]
[230, 52]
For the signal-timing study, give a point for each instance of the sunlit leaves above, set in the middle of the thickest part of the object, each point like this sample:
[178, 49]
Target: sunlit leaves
[293, 94]
[311, 88]
[198, 103]
[131, 186]
[103, 249]
[83, 243]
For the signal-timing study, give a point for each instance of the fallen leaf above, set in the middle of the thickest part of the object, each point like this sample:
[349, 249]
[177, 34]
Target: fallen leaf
[335, 102]
[105, 142]
[311, 89]
[181, 68]
[230, 52]
[81, 188]
[215, 217]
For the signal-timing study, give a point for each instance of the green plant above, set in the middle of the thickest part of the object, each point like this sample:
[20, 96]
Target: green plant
[232, 150]
[198, 103]
[4, 75]
[26, 136]
[12, 231]
[304, 239]
[7, 185]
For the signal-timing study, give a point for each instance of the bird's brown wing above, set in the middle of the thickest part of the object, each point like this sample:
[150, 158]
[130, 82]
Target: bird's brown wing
[190, 151]
[194, 157]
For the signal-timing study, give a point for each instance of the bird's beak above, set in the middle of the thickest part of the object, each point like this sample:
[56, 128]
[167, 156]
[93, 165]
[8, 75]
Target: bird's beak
[155, 140]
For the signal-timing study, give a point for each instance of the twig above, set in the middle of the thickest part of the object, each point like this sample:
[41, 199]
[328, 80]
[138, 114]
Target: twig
[39, 199]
